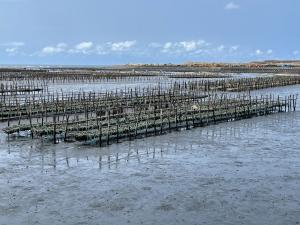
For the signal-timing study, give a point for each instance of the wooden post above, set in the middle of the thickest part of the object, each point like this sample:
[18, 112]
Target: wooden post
[54, 129]
[99, 123]
[108, 127]
[66, 129]
[161, 121]
[118, 121]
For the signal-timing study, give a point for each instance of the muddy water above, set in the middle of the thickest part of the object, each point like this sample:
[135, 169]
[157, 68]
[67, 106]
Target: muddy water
[244, 172]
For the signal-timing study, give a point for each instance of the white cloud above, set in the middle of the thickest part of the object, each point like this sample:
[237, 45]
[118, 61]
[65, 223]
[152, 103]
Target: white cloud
[189, 49]
[234, 48]
[231, 6]
[60, 47]
[184, 47]
[167, 46]
[265, 53]
[192, 45]
[12, 48]
[189, 45]
[16, 44]
[221, 48]
[101, 50]
[88, 47]
[49, 50]
[114, 47]
[269, 51]
[296, 52]
[121, 46]
[258, 52]
[85, 47]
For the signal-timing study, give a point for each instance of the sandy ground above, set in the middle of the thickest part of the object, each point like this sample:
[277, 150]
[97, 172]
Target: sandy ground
[244, 172]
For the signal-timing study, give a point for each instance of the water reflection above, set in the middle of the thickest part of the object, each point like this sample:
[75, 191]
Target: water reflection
[44, 156]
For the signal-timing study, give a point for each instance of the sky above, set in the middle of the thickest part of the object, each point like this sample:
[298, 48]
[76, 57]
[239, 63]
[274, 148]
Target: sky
[106, 32]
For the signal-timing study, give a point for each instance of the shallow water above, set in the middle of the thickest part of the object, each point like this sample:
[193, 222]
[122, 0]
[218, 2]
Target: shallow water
[121, 84]
[113, 85]
[243, 172]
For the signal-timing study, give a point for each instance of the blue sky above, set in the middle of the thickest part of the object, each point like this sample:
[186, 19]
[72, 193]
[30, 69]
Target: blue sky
[102, 32]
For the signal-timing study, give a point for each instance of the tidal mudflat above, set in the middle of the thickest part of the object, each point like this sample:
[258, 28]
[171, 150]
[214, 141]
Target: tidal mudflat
[245, 172]
[238, 172]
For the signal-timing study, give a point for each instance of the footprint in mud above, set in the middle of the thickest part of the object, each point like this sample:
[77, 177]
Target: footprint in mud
[238, 163]
[165, 207]
[147, 188]
[196, 205]
[9, 210]
[29, 188]
[96, 205]
[116, 207]
[16, 187]
[40, 200]
[140, 175]
[54, 212]
[110, 206]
